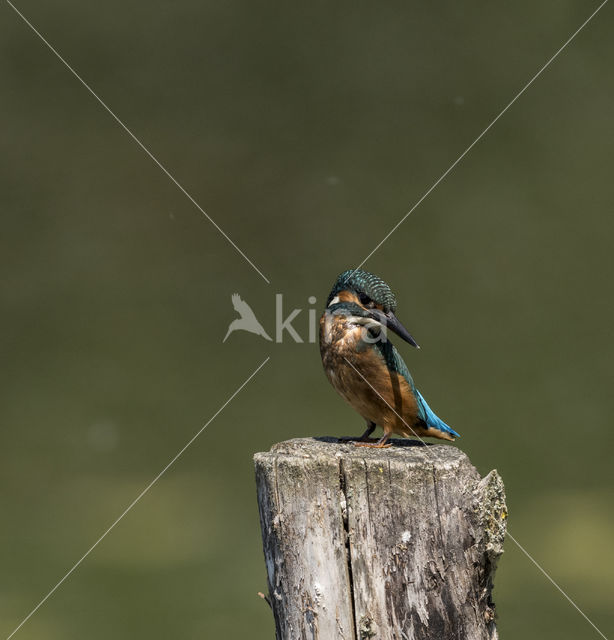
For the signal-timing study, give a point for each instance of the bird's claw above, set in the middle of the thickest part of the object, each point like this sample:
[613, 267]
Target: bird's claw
[373, 445]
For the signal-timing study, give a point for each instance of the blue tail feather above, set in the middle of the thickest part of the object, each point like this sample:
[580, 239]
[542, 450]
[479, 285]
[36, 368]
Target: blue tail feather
[431, 419]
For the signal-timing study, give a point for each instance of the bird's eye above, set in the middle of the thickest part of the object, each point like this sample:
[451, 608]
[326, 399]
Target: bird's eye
[365, 300]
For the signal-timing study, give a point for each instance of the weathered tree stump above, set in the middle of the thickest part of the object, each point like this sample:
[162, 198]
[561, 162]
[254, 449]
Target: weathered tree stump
[393, 544]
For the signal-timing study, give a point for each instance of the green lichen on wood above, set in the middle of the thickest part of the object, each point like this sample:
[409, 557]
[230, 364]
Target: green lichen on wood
[491, 510]
[365, 628]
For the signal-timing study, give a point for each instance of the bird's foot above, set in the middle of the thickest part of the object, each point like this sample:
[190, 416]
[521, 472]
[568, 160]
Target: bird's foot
[364, 438]
[374, 445]
[382, 443]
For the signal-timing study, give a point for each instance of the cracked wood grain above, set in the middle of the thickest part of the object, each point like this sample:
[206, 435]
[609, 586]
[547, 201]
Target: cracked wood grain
[393, 544]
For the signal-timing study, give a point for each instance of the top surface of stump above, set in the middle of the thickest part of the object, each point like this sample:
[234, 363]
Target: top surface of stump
[406, 452]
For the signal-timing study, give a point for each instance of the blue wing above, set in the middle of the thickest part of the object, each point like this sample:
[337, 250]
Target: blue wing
[396, 363]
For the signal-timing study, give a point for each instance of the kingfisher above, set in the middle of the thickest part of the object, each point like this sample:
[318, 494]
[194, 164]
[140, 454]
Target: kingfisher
[365, 368]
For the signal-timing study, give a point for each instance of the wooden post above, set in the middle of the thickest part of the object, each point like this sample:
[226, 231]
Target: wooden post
[392, 544]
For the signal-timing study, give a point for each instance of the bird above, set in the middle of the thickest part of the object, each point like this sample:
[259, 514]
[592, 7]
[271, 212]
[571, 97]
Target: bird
[247, 321]
[365, 368]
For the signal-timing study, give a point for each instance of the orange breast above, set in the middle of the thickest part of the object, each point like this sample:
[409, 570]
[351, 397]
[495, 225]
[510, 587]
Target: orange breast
[361, 377]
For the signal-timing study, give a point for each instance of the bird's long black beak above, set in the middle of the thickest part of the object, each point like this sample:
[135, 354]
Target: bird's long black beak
[390, 321]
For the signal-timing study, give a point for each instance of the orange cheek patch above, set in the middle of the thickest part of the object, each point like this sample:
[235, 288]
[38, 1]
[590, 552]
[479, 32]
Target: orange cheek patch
[348, 296]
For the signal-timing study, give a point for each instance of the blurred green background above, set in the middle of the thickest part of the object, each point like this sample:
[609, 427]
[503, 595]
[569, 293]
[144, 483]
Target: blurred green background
[306, 131]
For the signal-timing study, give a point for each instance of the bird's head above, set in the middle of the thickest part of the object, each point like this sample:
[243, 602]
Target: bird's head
[363, 295]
